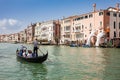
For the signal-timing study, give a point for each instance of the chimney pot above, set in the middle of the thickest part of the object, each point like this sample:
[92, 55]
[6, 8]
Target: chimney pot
[94, 7]
[117, 6]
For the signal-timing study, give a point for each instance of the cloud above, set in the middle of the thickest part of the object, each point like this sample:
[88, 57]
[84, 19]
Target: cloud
[8, 22]
[3, 22]
[9, 25]
[12, 22]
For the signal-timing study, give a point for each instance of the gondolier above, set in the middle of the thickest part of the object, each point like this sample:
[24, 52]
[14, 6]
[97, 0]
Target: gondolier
[35, 49]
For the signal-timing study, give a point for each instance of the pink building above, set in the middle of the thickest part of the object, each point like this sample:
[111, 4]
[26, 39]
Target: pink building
[80, 27]
[67, 29]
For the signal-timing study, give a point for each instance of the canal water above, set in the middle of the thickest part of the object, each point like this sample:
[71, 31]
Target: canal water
[64, 63]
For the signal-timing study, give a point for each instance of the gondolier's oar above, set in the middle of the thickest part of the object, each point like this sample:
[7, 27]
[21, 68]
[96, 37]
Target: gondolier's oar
[41, 51]
[44, 49]
[43, 54]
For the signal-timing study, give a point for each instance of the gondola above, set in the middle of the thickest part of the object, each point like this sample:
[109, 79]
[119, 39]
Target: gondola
[39, 59]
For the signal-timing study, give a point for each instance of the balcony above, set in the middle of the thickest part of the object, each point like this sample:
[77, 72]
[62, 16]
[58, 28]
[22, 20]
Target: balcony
[67, 31]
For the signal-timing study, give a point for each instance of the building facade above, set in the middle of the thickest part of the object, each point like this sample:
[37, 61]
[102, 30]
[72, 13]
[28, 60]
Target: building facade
[23, 36]
[93, 28]
[79, 28]
[114, 24]
[37, 31]
[30, 33]
[67, 29]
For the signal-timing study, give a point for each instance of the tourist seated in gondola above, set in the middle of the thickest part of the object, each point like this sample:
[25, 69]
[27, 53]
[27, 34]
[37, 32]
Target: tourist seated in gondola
[24, 53]
[17, 51]
[29, 55]
[21, 53]
[23, 48]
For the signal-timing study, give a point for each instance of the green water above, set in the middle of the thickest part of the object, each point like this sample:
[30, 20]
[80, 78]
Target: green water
[64, 63]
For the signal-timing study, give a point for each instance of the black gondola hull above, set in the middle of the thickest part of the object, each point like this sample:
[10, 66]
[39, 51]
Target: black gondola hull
[39, 59]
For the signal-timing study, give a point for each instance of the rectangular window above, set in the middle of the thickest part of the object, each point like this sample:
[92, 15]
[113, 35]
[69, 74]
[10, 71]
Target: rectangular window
[114, 14]
[86, 17]
[77, 27]
[66, 21]
[90, 26]
[67, 36]
[78, 19]
[100, 23]
[114, 25]
[67, 28]
[90, 33]
[82, 26]
[81, 17]
[108, 34]
[90, 15]
[77, 35]
[54, 28]
[108, 13]
[119, 25]
[114, 34]
[119, 34]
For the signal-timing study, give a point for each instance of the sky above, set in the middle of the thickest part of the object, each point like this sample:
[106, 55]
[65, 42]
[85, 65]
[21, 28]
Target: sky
[16, 15]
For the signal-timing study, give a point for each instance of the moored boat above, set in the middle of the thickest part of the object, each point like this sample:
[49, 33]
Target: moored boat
[74, 45]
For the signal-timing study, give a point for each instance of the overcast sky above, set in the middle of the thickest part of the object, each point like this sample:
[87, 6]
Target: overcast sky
[16, 15]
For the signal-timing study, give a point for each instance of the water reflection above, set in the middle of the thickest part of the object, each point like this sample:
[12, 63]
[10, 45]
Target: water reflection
[33, 71]
[91, 64]
[112, 64]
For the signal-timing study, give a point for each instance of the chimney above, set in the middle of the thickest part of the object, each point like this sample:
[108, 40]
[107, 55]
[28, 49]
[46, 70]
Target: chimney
[94, 7]
[117, 7]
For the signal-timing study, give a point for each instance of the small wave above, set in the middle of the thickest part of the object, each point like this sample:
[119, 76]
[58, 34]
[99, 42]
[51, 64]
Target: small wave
[3, 57]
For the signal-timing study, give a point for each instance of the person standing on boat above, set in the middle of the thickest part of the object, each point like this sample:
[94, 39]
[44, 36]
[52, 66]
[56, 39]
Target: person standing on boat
[35, 49]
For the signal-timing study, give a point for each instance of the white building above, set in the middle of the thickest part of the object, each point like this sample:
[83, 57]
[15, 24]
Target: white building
[37, 31]
[114, 24]
[44, 31]
[47, 29]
